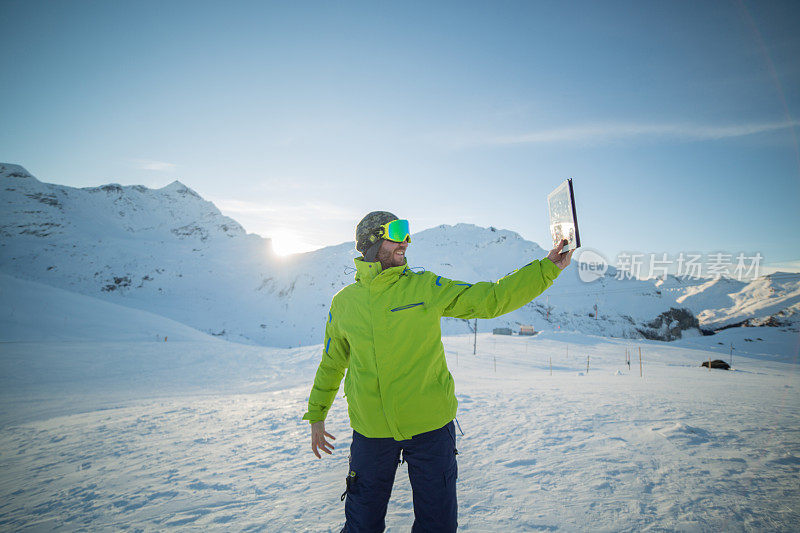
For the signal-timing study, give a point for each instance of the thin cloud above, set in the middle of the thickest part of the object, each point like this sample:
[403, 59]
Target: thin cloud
[287, 212]
[619, 131]
[783, 266]
[149, 164]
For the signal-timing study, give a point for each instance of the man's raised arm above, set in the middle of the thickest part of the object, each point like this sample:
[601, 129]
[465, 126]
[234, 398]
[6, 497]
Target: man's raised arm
[489, 300]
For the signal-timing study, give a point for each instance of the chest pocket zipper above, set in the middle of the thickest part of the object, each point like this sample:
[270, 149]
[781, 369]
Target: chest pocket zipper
[404, 307]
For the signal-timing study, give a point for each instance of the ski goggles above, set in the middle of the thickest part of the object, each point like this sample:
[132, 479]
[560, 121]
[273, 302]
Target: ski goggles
[396, 230]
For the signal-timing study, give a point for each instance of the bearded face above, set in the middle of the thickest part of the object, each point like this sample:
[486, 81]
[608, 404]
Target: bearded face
[392, 254]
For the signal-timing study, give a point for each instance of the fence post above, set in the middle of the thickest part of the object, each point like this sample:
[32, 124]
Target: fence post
[640, 362]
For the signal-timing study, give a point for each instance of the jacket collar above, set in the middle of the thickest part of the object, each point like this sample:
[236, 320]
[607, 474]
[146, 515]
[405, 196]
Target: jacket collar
[367, 272]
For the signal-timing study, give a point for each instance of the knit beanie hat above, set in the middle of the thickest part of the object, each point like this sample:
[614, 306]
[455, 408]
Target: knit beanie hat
[367, 230]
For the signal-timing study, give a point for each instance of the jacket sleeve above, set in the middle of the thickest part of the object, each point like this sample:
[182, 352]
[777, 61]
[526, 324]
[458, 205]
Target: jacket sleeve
[488, 300]
[335, 359]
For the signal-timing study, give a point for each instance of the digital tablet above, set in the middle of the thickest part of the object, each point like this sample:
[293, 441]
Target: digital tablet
[563, 216]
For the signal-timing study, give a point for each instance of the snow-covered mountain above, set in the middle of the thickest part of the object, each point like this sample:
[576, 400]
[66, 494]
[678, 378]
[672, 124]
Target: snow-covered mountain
[772, 300]
[169, 252]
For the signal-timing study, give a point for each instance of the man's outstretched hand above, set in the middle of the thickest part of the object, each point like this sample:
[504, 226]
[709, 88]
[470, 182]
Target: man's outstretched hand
[318, 435]
[561, 260]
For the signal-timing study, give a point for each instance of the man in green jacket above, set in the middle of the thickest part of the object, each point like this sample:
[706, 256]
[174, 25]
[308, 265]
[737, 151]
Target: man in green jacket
[385, 331]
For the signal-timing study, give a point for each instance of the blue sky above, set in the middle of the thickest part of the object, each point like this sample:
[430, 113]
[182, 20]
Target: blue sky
[677, 120]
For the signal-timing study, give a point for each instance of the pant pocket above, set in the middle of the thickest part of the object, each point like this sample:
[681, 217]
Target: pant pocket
[452, 431]
[350, 482]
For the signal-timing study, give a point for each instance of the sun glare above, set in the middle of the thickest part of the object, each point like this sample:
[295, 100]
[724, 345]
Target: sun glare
[286, 242]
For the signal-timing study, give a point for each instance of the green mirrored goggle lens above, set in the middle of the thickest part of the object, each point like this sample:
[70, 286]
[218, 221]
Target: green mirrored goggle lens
[396, 230]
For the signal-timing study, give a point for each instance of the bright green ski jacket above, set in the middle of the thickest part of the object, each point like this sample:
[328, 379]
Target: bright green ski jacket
[385, 330]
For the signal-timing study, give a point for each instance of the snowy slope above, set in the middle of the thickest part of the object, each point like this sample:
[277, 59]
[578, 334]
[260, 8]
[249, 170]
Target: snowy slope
[681, 449]
[33, 312]
[166, 251]
[169, 252]
[713, 293]
[62, 352]
[769, 300]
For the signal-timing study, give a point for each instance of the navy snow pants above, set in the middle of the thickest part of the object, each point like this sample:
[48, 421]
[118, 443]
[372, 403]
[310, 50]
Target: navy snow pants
[432, 470]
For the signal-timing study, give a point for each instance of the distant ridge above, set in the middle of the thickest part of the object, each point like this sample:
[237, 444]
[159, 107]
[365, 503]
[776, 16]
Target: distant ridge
[170, 252]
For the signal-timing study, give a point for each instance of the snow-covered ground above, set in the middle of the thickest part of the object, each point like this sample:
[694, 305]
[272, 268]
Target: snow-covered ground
[153, 435]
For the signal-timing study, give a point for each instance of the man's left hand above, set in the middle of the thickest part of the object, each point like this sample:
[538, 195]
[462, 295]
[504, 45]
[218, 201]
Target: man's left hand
[561, 260]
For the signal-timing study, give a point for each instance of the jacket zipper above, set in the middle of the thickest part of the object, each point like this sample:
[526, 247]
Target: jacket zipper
[404, 307]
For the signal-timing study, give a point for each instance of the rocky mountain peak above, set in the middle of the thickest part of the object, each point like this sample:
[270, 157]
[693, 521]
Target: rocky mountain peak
[8, 170]
[176, 187]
